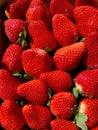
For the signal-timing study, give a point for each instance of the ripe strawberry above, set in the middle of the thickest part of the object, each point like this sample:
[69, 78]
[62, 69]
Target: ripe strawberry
[16, 8]
[39, 12]
[8, 85]
[60, 124]
[11, 115]
[86, 18]
[41, 35]
[34, 91]
[68, 57]
[93, 3]
[86, 83]
[61, 105]
[91, 42]
[57, 80]
[37, 117]
[35, 13]
[89, 108]
[35, 2]
[12, 58]
[61, 7]
[36, 61]
[13, 27]
[65, 31]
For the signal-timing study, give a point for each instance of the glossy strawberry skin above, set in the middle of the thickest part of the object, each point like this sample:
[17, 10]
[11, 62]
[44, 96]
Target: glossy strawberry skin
[86, 17]
[65, 31]
[68, 57]
[93, 3]
[91, 42]
[41, 35]
[36, 61]
[61, 105]
[12, 58]
[16, 8]
[37, 117]
[13, 27]
[61, 7]
[34, 91]
[8, 85]
[11, 115]
[57, 80]
[89, 107]
[60, 124]
[87, 82]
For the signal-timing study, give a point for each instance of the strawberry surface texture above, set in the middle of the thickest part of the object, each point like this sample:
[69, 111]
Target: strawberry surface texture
[48, 64]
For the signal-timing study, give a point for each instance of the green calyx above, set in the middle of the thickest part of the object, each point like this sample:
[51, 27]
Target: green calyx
[17, 74]
[23, 38]
[80, 120]
[47, 49]
[75, 92]
[28, 77]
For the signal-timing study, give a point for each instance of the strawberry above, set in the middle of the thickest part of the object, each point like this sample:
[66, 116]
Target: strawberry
[65, 31]
[86, 83]
[60, 124]
[61, 7]
[61, 105]
[88, 108]
[95, 128]
[8, 85]
[36, 61]
[13, 27]
[12, 58]
[35, 13]
[91, 42]
[86, 18]
[68, 57]
[16, 9]
[42, 36]
[34, 91]
[39, 12]
[57, 80]
[93, 3]
[11, 115]
[37, 117]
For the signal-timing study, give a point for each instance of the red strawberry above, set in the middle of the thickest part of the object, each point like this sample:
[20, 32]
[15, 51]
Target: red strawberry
[8, 85]
[13, 27]
[37, 117]
[36, 61]
[57, 80]
[61, 105]
[95, 128]
[60, 124]
[35, 13]
[11, 115]
[88, 108]
[61, 7]
[41, 35]
[86, 83]
[16, 8]
[39, 12]
[93, 3]
[34, 91]
[68, 58]
[65, 31]
[91, 42]
[12, 58]
[86, 18]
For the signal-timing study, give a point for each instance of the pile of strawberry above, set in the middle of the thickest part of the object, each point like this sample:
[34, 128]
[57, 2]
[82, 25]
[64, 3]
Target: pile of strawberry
[49, 65]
